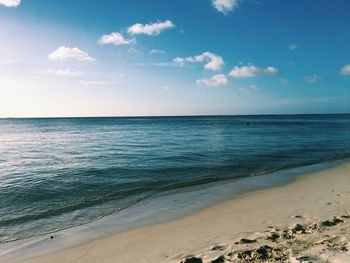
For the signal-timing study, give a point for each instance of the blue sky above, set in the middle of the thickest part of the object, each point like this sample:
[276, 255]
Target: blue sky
[117, 58]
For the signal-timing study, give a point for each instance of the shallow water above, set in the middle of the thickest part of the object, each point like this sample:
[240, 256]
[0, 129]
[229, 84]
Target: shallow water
[60, 173]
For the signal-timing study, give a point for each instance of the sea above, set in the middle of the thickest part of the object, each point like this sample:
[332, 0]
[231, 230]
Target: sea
[62, 173]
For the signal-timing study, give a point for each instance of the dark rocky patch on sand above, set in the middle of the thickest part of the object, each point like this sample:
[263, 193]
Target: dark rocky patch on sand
[307, 243]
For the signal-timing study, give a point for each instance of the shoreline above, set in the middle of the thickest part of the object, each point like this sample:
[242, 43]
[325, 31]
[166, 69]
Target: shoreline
[314, 197]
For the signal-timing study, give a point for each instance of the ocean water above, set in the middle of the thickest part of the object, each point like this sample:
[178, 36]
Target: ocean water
[63, 172]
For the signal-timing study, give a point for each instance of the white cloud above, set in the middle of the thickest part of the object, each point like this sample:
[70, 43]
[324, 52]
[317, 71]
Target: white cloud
[224, 6]
[292, 47]
[215, 81]
[345, 70]
[214, 62]
[252, 71]
[313, 79]
[156, 51]
[64, 73]
[63, 53]
[10, 3]
[249, 89]
[152, 29]
[115, 38]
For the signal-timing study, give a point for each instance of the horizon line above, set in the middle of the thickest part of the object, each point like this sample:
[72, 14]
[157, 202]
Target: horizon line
[169, 116]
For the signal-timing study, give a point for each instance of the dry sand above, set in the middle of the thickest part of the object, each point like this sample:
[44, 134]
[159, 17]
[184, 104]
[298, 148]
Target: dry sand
[304, 221]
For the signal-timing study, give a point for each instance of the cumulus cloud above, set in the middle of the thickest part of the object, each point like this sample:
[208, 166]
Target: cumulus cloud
[10, 3]
[292, 47]
[63, 53]
[213, 61]
[115, 38]
[64, 73]
[345, 70]
[252, 71]
[152, 29]
[313, 79]
[224, 6]
[215, 81]
[156, 51]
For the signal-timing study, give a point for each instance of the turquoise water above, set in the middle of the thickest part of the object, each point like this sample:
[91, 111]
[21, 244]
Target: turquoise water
[63, 172]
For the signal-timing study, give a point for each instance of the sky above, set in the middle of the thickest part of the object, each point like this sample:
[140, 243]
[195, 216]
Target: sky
[176, 57]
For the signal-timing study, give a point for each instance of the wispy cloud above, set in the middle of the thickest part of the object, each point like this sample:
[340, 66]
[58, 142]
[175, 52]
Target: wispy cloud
[10, 3]
[313, 79]
[214, 62]
[252, 71]
[224, 6]
[345, 70]
[63, 53]
[115, 38]
[156, 51]
[152, 29]
[250, 89]
[215, 81]
[292, 47]
[133, 51]
[64, 73]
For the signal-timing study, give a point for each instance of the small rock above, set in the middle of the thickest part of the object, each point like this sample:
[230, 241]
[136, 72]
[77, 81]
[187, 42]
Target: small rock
[247, 241]
[273, 237]
[307, 259]
[312, 227]
[220, 259]
[217, 248]
[298, 229]
[192, 260]
[333, 222]
[288, 234]
[263, 252]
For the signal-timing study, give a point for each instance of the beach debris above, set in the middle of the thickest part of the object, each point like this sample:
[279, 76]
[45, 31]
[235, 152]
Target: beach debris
[298, 216]
[220, 259]
[297, 243]
[298, 229]
[288, 234]
[273, 237]
[247, 241]
[192, 260]
[263, 253]
[51, 237]
[307, 259]
[312, 227]
[217, 247]
[334, 244]
[333, 222]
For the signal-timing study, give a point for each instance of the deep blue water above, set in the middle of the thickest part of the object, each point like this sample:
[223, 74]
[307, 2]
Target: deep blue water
[61, 172]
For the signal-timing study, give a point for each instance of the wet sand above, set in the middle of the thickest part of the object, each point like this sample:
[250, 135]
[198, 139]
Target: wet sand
[306, 220]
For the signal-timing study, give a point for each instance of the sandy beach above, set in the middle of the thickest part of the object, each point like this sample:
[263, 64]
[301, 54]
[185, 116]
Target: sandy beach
[306, 220]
